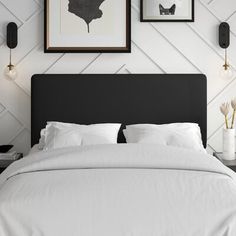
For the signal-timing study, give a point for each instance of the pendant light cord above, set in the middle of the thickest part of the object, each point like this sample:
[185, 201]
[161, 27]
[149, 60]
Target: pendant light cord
[226, 57]
[10, 56]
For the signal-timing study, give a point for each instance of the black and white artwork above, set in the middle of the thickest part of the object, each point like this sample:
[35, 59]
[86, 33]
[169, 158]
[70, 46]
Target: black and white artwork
[87, 26]
[167, 10]
[88, 10]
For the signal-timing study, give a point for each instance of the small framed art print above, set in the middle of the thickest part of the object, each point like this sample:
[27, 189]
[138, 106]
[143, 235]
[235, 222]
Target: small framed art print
[87, 26]
[167, 10]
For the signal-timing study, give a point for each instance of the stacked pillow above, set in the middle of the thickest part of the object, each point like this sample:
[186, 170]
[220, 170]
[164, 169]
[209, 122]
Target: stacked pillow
[58, 135]
[185, 135]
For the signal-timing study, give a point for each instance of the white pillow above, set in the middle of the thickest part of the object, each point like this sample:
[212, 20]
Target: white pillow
[42, 139]
[60, 134]
[62, 137]
[185, 135]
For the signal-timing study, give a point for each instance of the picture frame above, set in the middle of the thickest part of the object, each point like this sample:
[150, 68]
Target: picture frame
[167, 10]
[70, 29]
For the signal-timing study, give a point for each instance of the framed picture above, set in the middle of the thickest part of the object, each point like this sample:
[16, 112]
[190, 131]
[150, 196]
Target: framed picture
[87, 26]
[167, 10]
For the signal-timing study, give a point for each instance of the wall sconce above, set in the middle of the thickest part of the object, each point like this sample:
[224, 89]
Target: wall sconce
[10, 70]
[226, 71]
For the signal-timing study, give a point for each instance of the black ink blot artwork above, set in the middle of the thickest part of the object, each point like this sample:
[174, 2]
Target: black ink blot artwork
[167, 11]
[88, 10]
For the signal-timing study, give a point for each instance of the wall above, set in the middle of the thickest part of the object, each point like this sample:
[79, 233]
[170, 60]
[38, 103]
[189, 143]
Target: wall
[156, 48]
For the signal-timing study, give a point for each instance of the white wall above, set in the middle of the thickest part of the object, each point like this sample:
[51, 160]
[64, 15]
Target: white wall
[156, 48]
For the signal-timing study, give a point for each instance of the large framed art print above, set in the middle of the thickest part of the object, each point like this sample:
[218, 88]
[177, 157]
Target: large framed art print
[167, 10]
[87, 26]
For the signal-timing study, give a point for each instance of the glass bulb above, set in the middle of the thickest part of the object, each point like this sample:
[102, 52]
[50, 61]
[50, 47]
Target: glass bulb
[226, 72]
[11, 72]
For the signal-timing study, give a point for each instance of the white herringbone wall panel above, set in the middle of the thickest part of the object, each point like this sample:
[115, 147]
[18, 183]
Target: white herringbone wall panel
[156, 48]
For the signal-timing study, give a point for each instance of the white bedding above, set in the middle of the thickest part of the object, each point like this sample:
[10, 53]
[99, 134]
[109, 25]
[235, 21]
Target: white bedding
[34, 149]
[118, 190]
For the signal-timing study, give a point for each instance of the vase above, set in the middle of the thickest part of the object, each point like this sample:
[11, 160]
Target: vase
[229, 144]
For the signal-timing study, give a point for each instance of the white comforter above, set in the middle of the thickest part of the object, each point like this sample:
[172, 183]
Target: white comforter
[118, 190]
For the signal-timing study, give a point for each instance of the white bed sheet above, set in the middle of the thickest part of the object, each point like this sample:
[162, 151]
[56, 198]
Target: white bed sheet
[34, 149]
[118, 190]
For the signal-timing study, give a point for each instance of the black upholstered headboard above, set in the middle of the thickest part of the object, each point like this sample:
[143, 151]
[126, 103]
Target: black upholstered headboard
[124, 98]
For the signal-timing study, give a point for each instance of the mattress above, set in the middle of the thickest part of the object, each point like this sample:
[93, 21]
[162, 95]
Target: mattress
[118, 190]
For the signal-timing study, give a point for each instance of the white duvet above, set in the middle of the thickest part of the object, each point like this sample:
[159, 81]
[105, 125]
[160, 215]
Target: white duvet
[118, 190]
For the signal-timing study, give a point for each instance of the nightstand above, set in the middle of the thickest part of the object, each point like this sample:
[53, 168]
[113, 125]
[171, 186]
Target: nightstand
[5, 163]
[230, 164]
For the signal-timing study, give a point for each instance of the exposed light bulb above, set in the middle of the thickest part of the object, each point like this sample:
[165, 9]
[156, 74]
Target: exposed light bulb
[226, 72]
[11, 72]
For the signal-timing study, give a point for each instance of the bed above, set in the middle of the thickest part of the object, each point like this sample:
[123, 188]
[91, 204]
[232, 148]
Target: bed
[118, 189]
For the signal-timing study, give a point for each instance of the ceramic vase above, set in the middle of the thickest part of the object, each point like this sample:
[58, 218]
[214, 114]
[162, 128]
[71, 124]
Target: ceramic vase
[229, 144]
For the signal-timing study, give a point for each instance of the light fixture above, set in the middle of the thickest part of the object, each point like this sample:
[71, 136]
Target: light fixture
[226, 71]
[10, 70]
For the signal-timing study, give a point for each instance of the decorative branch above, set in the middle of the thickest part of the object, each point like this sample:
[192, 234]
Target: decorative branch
[224, 108]
[233, 104]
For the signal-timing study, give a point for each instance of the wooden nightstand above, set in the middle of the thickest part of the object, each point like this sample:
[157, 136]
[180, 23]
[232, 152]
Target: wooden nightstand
[5, 163]
[230, 164]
